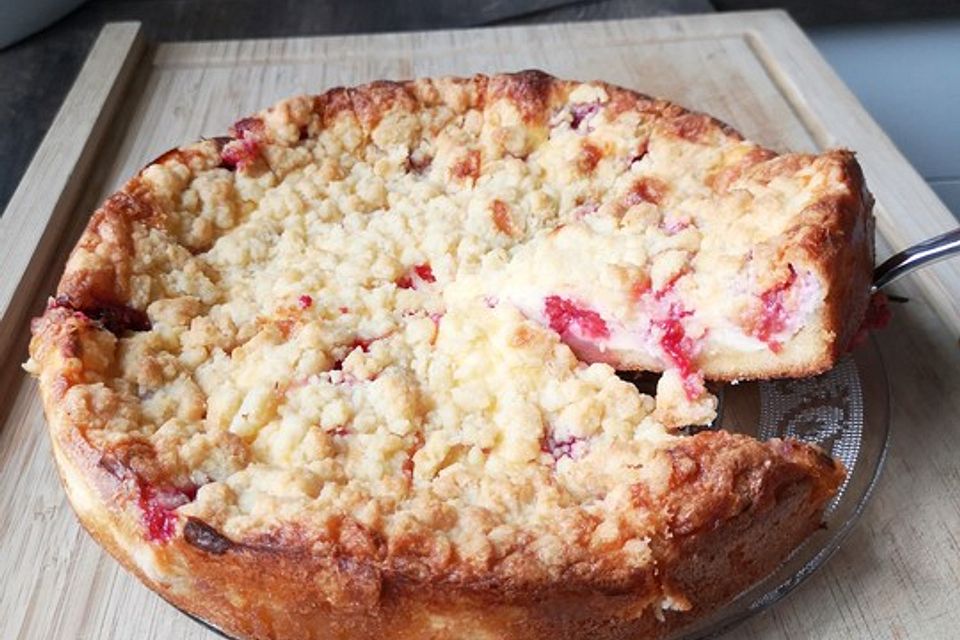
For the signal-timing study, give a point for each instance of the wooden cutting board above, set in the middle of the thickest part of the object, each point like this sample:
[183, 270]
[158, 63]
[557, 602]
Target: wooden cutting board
[897, 575]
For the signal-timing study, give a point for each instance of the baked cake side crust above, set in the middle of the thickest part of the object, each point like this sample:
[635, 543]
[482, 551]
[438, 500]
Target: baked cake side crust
[739, 508]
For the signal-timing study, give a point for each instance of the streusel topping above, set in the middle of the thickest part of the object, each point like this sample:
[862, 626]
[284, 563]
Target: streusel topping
[402, 306]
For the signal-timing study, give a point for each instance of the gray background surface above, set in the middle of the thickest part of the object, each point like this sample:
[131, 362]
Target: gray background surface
[907, 74]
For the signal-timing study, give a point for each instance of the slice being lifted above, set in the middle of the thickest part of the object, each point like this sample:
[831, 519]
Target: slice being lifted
[351, 372]
[705, 254]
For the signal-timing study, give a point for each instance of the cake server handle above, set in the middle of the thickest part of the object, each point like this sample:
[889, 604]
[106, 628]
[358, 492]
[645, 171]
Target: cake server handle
[917, 256]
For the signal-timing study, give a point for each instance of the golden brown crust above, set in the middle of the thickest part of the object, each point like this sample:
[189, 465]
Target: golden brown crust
[711, 533]
[99, 268]
[736, 509]
[846, 250]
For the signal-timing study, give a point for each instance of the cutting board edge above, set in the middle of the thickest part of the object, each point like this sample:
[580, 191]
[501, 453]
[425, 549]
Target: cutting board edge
[37, 215]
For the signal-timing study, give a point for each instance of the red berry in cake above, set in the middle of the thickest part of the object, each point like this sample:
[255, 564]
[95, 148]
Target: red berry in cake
[581, 114]
[419, 274]
[773, 315]
[424, 272]
[564, 315]
[159, 505]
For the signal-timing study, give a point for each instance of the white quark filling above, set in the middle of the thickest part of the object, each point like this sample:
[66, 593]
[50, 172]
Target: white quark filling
[639, 335]
[808, 295]
[531, 303]
[805, 297]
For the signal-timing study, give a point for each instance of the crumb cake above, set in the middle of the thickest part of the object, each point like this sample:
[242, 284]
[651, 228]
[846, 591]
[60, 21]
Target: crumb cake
[351, 371]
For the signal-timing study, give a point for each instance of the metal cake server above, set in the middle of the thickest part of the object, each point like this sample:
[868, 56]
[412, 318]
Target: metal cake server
[915, 257]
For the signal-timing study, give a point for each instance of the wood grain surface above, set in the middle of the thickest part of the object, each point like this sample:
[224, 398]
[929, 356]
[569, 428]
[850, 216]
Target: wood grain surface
[896, 576]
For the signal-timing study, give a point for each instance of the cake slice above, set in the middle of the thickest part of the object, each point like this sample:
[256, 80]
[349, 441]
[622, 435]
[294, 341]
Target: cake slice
[727, 263]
